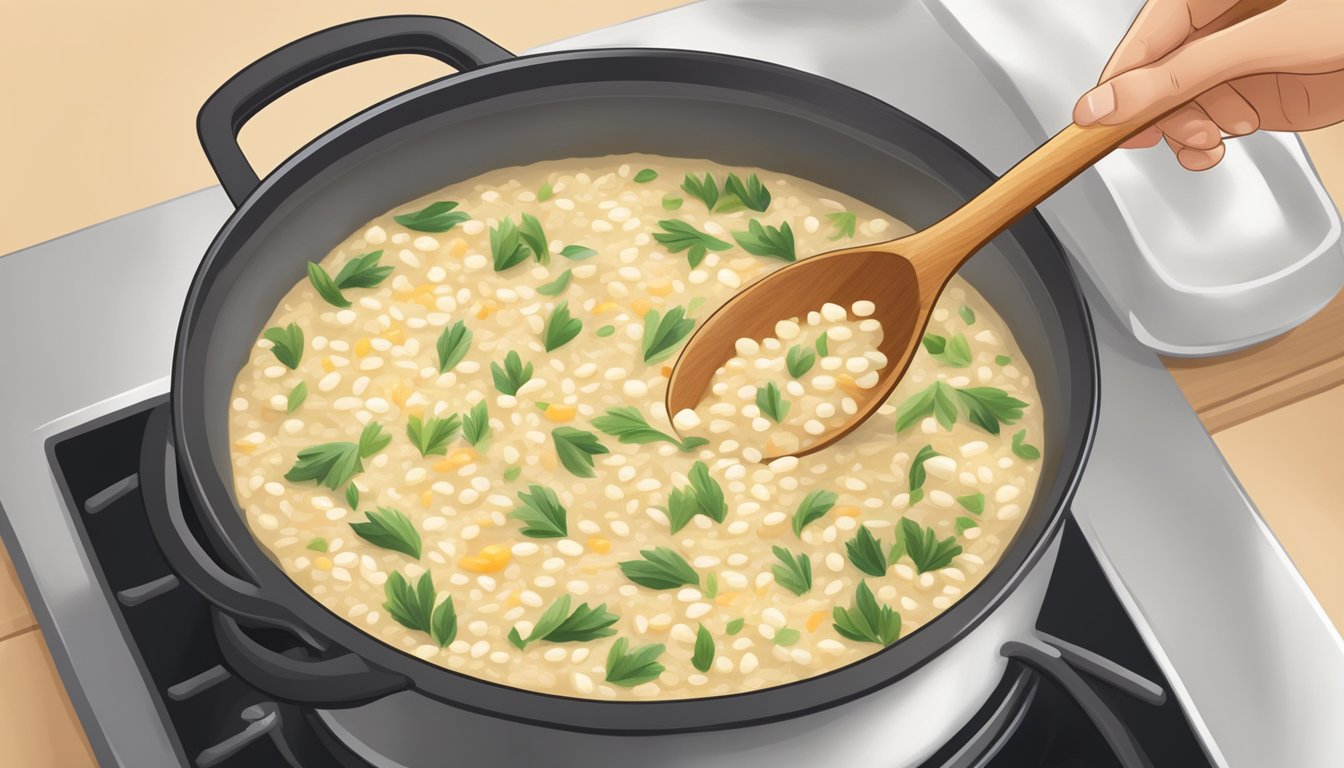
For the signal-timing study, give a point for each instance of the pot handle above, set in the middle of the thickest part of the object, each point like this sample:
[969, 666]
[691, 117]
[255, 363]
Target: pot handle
[180, 547]
[1054, 662]
[286, 68]
[336, 683]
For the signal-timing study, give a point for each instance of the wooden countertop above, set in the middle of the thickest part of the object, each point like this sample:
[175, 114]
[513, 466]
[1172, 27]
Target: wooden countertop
[128, 141]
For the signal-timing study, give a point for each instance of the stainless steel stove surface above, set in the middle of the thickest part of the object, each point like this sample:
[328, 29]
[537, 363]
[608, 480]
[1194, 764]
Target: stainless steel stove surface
[1184, 557]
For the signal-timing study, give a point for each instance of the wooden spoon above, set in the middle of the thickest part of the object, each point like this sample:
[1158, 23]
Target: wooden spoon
[902, 277]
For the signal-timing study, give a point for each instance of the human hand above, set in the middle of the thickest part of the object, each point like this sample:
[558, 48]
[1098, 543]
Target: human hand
[1279, 70]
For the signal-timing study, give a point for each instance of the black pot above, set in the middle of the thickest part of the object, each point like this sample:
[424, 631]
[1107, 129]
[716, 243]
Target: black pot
[501, 111]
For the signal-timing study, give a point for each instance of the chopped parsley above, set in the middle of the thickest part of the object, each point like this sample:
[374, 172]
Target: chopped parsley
[735, 626]
[605, 331]
[814, 507]
[435, 217]
[1024, 450]
[866, 621]
[542, 515]
[390, 529]
[296, 397]
[333, 464]
[704, 496]
[924, 548]
[476, 423]
[771, 402]
[512, 473]
[917, 474]
[558, 625]
[679, 236]
[287, 344]
[577, 252]
[532, 234]
[865, 552]
[558, 285]
[628, 668]
[985, 407]
[964, 524]
[967, 314]
[575, 448]
[703, 658]
[671, 203]
[663, 332]
[955, 351]
[766, 240]
[545, 193]
[452, 346]
[512, 375]
[317, 544]
[430, 436]
[705, 189]
[645, 176]
[787, 636]
[1003, 359]
[752, 193]
[506, 246]
[843, 222]
[414, 608]
[973, 503]
[627, 425]
[823, 344]
[793, 572]
[561, 327]
[799, 360]
[660, 568]
[359, 272]
[352, 496]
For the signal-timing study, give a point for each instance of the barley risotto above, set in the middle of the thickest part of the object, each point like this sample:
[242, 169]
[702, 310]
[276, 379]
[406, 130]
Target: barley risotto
[452, 435]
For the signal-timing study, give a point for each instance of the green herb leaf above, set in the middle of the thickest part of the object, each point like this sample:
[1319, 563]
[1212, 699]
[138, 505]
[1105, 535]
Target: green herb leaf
[545, 193]
[711, 586]
[476, 423]
[793, 572]
[924, 548]
[844, 222]
[973, 503]
[866, 622]
[575, 448]
[390, 529]
[512, 375]
[577, 252]
[708, 493]
[679, 236]
[561, 327]
[352, 496]
[705, 190]
[735, 626]
[987, 407]
[535, 238]
[430, 436]
[681, 507]
[787, 636]
[814, 507]
[605, 331]
[799, 360]
[766, 240]
[917, 473]
[771, 402]
[325, 287]
[703, 658]
[512, 473]
[955, 351]
[661, 568]
[287, 344]
[557, 286]
[452, 346]
[558, 625]
[645, 176]
[865, 552]
[362, 272]
[296, 397]
[672, 203]
[333, 464]
[662, 333]
[752, 193]
[1002, 359]
[1023, 449]
[542, 515]
[964, 524]
[628, 668]
[435, 217]
[967, 314]
[414, 608]
[317, 544]
[627, 425]
[823, 344]
[506, 246]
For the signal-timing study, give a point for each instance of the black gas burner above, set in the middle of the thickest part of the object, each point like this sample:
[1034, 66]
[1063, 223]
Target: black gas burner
[217, 721]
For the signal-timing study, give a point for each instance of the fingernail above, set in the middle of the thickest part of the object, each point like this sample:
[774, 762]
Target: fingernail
[1241, 128]
[1096, 104]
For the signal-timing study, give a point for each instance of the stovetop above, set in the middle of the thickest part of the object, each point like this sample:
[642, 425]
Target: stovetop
[1180, 547]
[214, 720]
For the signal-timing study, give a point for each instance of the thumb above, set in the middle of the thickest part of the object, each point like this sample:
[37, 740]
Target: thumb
[1153, 90]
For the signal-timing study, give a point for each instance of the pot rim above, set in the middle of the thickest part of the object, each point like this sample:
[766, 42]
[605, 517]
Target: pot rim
[213, 503]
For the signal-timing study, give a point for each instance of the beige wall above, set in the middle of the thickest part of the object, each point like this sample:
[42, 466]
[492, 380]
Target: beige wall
[100, 97]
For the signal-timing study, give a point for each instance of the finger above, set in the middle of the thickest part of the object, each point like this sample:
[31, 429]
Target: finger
[1196, 159]
[1191, 126]
[1157, 88]
[1149, 137]
[1160, 28]
[1234, 115]
[1294, 102]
